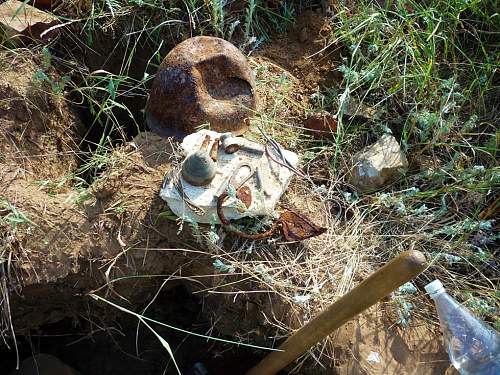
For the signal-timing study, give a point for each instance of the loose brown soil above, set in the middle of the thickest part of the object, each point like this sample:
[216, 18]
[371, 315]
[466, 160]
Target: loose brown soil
[119, 243]
[38, 130]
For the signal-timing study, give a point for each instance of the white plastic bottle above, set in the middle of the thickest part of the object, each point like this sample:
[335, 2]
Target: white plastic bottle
[473, 346]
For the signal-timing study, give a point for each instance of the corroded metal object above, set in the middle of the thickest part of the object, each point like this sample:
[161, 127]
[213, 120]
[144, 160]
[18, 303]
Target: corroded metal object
[266, 180]
[230, 145]
[293, 227]
[203, 80]
[244, 194]
[198, 169]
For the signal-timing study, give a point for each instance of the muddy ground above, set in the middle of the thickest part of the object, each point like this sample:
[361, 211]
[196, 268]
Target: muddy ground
[61, 244]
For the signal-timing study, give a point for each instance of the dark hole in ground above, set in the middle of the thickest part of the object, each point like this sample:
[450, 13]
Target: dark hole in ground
[110, 73]
[110, 91]
[120, 93]
[93, 346]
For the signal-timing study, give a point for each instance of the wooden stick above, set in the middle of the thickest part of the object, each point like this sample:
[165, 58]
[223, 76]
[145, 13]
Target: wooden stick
[380, 284]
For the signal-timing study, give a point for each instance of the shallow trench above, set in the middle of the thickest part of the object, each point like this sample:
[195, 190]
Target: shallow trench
[93, 344]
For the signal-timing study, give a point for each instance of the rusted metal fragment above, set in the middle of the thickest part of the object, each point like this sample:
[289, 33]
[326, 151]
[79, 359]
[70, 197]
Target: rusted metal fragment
[321, 125]
[203, 80]
[296, 227]
[230, 147]
[245, 195]
[220, 201]
[233, 230]
[205, 143]
[22, 23]
[234, 144]
[214, 149]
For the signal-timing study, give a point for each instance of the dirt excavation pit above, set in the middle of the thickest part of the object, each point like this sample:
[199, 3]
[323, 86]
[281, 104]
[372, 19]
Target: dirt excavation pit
[74, 245]
[95, 345]
[59, 245]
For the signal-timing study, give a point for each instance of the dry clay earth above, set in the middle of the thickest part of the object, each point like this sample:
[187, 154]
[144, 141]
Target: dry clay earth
[69, 249]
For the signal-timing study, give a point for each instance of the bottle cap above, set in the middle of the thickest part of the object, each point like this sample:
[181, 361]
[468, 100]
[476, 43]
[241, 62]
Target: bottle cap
[434, 287]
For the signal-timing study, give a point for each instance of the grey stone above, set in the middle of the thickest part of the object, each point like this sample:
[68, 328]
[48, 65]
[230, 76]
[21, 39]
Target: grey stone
[378, 165]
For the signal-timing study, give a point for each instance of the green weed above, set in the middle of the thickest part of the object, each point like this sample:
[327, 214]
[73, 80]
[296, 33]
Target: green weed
[13, 217]
[429, 72]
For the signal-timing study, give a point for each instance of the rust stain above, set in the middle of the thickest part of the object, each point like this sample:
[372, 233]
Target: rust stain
[214, 150]
[321, 125]
[205, 143]
[245, 195]
[296, 227]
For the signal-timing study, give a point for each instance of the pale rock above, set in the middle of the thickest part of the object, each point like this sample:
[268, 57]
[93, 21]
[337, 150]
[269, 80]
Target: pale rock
[20, 22]
[373, 357]
[378, 164]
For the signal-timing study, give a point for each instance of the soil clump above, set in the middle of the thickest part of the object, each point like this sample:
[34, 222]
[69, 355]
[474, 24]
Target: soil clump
[39, 131]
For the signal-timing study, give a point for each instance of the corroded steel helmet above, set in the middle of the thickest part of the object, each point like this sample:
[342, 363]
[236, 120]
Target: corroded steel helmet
[203, 80]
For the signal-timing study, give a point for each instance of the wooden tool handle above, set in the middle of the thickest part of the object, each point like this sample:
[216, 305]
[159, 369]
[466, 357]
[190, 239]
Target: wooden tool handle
[380, 284]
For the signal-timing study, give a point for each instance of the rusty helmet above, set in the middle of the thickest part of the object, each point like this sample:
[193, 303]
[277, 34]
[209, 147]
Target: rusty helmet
[203, 80]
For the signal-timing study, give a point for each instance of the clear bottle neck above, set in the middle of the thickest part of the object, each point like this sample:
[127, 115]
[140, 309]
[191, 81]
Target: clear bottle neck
[438, 293]
[435, 288]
